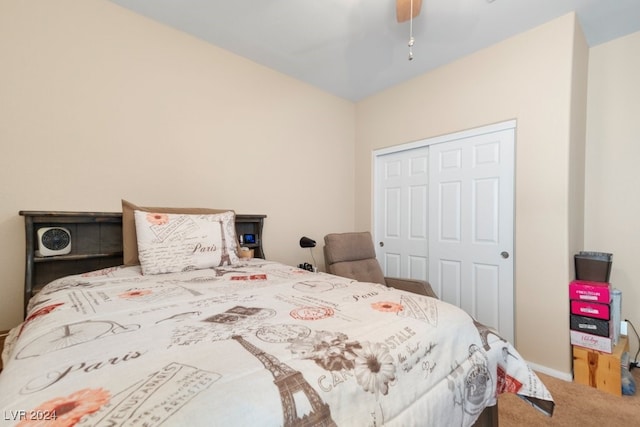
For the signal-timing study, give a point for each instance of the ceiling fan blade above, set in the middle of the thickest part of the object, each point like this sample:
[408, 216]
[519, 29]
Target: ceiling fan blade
[403, 9]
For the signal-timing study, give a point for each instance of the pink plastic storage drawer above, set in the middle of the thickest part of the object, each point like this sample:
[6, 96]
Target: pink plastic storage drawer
[590, 291]
[590, 309]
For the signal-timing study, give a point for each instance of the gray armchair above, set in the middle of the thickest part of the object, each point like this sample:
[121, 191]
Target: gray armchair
[353, 255]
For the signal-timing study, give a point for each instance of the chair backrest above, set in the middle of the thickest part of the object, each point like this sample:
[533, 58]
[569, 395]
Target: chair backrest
[352, 255]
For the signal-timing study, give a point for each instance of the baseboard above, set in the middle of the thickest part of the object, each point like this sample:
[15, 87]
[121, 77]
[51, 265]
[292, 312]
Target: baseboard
[566, 376]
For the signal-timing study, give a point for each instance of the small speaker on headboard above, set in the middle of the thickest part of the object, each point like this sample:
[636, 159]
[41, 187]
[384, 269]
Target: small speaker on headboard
[53, 241]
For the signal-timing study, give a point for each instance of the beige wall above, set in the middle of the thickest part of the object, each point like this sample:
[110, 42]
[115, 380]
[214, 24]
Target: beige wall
[99, 104]
[612, 218]
[529, 78]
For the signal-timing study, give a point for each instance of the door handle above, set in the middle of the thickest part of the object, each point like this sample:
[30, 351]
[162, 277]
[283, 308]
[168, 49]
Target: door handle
[381, 244]
[504, 254]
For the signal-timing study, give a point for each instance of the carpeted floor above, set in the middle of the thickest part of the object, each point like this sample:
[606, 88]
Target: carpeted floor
[577, 405]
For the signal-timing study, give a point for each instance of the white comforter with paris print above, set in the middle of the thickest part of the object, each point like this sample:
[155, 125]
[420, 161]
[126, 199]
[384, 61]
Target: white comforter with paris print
[257, 343]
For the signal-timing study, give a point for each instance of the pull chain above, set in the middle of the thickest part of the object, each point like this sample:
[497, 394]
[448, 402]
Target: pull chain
[411, 39]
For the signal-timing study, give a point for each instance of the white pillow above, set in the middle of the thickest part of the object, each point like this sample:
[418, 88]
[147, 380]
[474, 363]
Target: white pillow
[168, 243]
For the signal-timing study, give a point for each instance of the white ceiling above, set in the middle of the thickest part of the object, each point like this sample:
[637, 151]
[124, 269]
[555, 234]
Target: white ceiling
[355, 48]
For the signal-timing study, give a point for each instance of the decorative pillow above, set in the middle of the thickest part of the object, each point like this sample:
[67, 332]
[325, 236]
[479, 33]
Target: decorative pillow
[129, 240]
[168, 243]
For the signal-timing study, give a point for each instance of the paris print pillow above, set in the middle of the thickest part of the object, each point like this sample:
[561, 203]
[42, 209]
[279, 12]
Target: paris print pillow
[169, 243]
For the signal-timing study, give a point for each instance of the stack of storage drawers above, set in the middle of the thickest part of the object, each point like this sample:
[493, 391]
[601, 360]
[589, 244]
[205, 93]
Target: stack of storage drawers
[594, 309]
[595, 306]
[595, 324]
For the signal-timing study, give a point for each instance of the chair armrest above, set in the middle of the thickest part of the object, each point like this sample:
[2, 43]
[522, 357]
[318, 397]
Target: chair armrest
[420, 287]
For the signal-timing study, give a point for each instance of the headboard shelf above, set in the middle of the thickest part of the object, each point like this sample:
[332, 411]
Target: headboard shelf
[77, 257]
[72, 217]
[96, 242]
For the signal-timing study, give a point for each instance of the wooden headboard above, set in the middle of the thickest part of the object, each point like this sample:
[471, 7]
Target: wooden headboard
[96, 242]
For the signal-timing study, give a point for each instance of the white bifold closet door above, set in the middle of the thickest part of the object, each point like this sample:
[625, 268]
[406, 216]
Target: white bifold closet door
[444, 212]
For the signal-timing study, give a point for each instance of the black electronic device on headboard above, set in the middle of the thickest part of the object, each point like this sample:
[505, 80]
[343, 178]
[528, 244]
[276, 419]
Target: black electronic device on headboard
[249, 238]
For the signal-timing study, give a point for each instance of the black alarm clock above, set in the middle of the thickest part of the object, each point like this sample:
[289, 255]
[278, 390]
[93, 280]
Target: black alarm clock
[249, 238]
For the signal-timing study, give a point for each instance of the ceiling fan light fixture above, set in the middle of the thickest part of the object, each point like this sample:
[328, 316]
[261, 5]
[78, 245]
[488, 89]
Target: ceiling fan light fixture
[407, 9]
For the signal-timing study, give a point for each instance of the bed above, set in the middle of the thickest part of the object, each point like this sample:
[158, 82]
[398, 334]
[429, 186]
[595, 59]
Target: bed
[248, 342]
